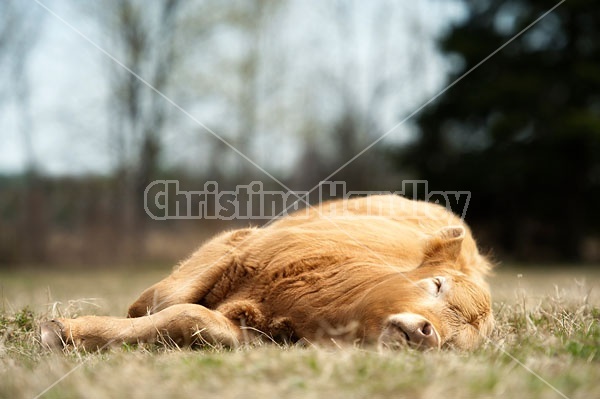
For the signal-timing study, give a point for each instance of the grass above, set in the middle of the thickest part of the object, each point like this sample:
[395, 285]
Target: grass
[547, 324]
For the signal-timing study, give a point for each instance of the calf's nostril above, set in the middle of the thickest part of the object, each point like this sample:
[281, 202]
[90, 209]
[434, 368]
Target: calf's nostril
[426, 329]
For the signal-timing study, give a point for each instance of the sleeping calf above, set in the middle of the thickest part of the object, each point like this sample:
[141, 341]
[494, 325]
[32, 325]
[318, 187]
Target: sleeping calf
[380, 270]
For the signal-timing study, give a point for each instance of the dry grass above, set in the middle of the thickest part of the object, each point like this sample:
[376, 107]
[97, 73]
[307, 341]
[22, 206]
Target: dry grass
[547, 321]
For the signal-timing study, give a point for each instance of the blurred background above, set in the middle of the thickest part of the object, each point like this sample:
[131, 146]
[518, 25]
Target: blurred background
[300, 88]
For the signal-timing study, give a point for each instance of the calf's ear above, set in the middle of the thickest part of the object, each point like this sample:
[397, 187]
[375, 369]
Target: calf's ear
[444, 246]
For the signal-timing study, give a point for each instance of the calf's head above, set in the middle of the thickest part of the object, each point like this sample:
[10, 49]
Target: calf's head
[447, 310]
[435, 305]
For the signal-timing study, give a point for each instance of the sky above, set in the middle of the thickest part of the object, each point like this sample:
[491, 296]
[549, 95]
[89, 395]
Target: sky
[70, 91]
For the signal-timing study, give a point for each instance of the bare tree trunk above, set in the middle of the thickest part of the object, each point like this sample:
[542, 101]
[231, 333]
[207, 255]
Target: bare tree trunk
[35, 222]
[146, 42]
[17, 40]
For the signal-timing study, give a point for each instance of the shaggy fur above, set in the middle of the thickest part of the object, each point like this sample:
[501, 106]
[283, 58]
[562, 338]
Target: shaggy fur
[377, 270]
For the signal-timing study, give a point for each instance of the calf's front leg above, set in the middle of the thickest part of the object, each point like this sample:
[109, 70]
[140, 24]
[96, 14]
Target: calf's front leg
[195, 277]
[183, 324]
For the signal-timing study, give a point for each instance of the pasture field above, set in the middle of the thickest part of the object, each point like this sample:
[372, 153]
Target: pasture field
[546, 345]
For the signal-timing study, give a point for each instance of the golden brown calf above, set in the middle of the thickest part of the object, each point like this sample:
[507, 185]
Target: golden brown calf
[377, 270]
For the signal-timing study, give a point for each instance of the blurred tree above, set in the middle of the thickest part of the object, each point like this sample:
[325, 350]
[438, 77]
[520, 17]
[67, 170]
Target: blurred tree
[300, 87]
[244, 73]
[366, 79]
[522, 132]
[354, 128]
[250, 19]
[142, 37]
[19, 33]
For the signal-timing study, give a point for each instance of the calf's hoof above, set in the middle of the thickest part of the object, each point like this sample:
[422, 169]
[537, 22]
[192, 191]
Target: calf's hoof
[51, 333]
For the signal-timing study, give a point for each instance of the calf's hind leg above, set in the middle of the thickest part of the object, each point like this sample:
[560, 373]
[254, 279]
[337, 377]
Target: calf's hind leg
[183, 324]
